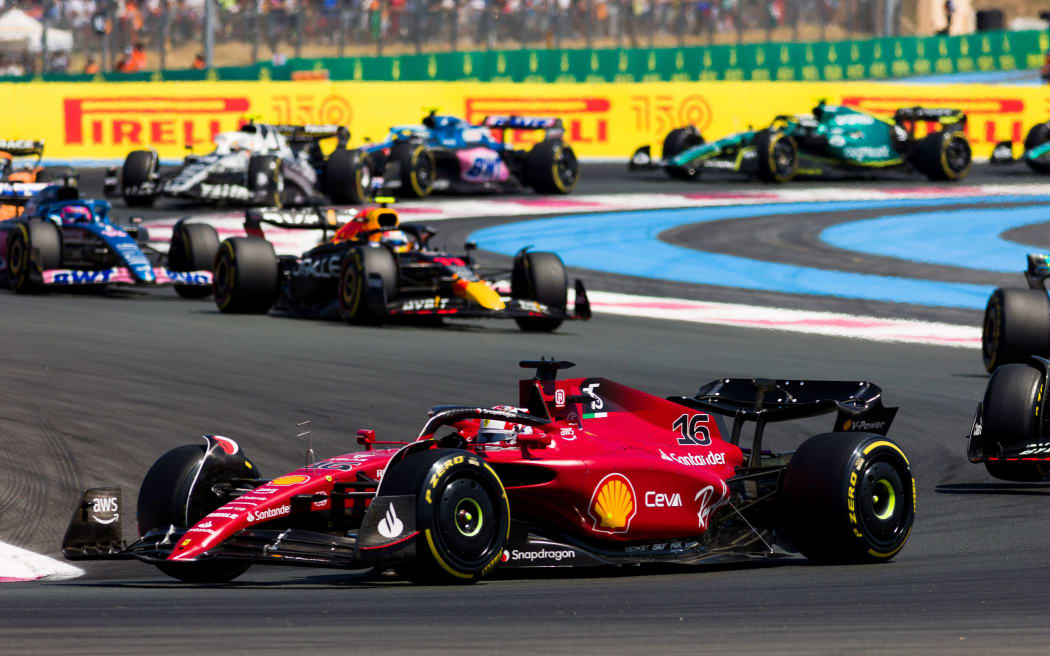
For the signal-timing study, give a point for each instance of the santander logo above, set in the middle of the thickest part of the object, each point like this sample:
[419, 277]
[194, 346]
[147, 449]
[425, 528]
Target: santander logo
[390, 526]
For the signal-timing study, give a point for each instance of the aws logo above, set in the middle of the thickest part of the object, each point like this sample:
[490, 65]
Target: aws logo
[613, 504]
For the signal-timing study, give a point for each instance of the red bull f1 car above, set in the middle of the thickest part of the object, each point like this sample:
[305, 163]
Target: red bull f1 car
[578, 472]
[374, 270]
[60, 240]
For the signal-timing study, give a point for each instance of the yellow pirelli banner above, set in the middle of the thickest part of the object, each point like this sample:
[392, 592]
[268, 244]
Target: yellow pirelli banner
[106, 120]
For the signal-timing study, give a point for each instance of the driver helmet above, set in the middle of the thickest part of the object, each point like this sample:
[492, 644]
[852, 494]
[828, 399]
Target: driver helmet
[397, 240]
[496, 430]
[75, 214]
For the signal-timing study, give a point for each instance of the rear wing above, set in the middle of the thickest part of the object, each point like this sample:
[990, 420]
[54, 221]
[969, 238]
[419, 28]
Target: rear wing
[19, 193]
[552, 126]
[308, 133]
[949, 119]
[306, 218]
[22, 147]
[858, 405]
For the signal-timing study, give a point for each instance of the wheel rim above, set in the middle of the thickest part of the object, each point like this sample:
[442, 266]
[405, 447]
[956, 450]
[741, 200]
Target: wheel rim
[348, 292]
[424, 171]
[469, 517]
[957, 155]
[467, 542]
[16, 255]
[783, 157]
[565, 168]
[884, 500]
[882, 505]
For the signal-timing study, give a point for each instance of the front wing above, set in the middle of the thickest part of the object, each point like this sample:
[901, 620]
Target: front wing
[451, 306]
[123, 276]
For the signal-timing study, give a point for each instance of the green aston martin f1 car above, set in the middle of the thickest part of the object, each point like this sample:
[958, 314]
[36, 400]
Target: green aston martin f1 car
[832, 139]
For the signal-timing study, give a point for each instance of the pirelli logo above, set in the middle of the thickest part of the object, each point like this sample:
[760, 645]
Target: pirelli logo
[586, 119]
[149, 120]
[989, 120]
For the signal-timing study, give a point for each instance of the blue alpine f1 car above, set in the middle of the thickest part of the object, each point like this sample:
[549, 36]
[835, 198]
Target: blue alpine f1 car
[60, 240]
[447, 153]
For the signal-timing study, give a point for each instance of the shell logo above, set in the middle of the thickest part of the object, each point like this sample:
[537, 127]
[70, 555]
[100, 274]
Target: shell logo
[293, 479]
[612, 505]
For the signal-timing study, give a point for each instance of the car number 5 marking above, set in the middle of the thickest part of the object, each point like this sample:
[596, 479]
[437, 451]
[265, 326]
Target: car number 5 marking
[691, 430]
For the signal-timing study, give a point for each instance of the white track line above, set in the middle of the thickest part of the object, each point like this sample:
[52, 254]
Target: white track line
[801, 321]
[17, 564]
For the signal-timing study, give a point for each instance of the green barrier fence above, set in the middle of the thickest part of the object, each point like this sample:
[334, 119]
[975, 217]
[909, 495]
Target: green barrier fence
[869, 59]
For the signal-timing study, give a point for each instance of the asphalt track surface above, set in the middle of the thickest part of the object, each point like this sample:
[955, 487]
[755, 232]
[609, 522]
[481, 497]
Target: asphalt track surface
[94, 388]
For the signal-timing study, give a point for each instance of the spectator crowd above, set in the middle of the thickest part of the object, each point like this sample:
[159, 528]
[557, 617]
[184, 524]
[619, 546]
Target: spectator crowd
[138, 30]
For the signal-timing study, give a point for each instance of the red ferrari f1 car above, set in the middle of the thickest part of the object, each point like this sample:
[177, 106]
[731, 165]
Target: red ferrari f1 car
[581, 472]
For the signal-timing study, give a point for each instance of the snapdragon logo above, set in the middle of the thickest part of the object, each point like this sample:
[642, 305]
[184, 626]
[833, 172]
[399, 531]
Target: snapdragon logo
[541, 554]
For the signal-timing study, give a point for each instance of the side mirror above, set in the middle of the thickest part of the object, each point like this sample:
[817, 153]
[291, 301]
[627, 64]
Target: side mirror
[534, 440]
[470, 246]
[366, 438]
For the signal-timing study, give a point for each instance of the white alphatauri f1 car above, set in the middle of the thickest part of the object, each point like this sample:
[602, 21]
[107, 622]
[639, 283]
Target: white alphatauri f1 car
[259, 164]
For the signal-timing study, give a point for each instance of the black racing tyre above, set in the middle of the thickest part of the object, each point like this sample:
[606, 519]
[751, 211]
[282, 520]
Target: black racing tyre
[170, 497]
[1016, 326]
[540, 277]
[245, 278]
[944, 156]
[23, 273]
[193, 248]
[1010, 418]
[677, 141]
[551, 167]
[357, 267]
[65, 175]
[347, 177]
[417, 167]
[462, 514]
[1038, 135]
[265, 181]
[139, 169]
[848, 498]
[777, 156]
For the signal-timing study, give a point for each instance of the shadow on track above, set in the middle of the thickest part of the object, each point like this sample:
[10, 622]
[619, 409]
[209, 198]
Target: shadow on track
[363, 580]
[1037, 489]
